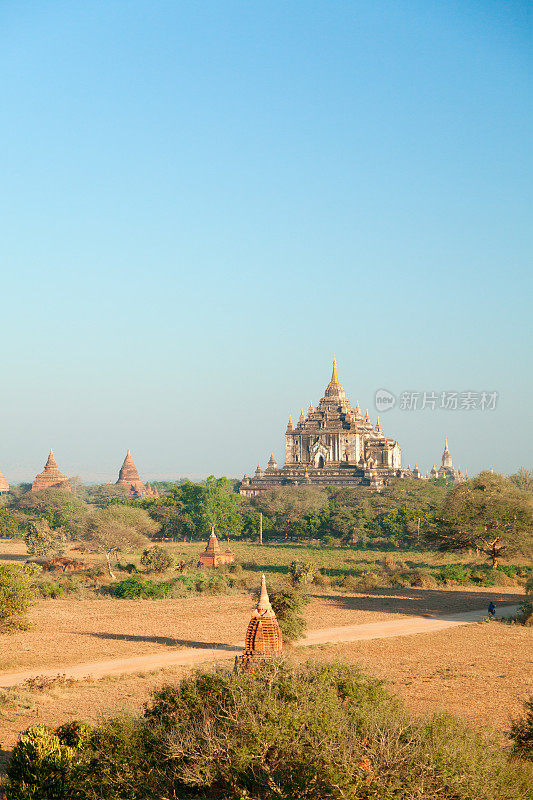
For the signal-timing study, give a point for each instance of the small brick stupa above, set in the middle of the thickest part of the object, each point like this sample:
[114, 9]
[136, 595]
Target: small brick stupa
[129, 477]
[4, 485]
[213, 556]
[263, 637]
[50, 477]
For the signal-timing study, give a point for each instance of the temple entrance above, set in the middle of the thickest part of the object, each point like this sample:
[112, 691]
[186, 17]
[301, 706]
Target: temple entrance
[320, 462]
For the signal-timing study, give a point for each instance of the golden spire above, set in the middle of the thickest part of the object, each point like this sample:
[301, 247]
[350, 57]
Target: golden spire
[334, 377]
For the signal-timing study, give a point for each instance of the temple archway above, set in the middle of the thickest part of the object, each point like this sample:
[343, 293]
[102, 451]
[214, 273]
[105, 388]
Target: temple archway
[320, 462]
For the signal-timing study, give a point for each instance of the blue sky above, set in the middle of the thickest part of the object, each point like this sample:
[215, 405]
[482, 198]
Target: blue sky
[203, 201]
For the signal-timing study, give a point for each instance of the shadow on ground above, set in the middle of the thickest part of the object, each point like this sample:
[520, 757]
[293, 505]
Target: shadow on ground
[420, 602]
[166, 640]
[13, 557]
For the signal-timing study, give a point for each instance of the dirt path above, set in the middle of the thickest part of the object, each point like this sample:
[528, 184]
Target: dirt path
[188, 656]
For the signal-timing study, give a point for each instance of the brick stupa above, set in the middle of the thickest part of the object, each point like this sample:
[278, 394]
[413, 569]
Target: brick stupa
[263, 637]
[50, 477]
[4, 485]
[213, 556]
[129, 478]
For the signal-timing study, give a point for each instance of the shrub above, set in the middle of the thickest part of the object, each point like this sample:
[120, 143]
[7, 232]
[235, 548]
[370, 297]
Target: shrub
[301, 573]
[313, 732]
[138, 587]
[31, 569]
[16, 595]
[40, 766]
[287, 605]
[521, 733]
[156, 559]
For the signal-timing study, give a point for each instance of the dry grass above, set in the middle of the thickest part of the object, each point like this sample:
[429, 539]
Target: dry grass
[481, 673]
[68, 631]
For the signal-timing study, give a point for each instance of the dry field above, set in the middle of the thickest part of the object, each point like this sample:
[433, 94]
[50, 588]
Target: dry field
[481, 672]
[68, 631]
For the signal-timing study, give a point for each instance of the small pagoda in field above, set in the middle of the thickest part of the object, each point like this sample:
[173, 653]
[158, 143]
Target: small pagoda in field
[4, 485]
[213, 556]
[263, 637]
[51, 477]
[128, 477]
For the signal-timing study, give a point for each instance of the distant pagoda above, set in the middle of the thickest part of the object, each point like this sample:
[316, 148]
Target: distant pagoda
[4, 485]
[129, 478]
[213, 556]
[51, 477]
[263, 637]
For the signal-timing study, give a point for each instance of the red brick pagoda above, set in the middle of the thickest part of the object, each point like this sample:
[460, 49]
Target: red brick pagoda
[129, 478]
[50, 477]
[213, 556]
[263, 637]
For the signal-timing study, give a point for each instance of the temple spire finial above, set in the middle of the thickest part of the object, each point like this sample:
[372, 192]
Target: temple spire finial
[334, 376]
[263, 604]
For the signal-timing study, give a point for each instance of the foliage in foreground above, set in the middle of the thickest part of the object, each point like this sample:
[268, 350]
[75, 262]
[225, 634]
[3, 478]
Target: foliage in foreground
[317, 732]
[16, 595]
[522, 732]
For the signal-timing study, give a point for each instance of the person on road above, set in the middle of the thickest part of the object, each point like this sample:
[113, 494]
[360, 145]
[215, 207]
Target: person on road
[492, 609]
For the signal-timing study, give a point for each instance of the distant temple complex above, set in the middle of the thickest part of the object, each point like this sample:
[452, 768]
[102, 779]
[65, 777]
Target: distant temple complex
[129, 478]
[331, 445]
[335, 445]
[50, 477]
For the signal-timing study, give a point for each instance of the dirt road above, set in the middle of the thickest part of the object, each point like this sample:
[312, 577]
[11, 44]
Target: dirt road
[188, 656]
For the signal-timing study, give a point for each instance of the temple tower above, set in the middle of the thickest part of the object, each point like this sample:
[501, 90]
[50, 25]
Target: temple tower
[128, 477]
[446, 456]
[263, 637]
[50, 477]
[213, 555]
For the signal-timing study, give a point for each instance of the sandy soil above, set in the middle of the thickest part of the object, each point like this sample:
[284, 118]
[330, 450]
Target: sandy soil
[481, 672]
[69, 631]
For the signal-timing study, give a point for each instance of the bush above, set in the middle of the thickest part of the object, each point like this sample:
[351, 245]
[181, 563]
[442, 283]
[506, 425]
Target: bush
[313, 732]
[40, 766]
[301, 573]
[138, 587]
[156, 559]
[31, 569]
[287, 605]
[16, 595]
[521, 733]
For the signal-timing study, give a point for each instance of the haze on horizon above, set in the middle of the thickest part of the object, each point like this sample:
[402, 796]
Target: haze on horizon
[202, 203]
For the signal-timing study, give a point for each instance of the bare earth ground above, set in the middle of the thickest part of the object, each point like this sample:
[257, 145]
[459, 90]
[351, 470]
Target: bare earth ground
[64, 632]
[481, 672]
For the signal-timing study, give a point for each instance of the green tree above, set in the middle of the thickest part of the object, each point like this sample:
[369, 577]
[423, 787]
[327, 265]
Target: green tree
[489, 514]
[8, 524]
[221, 507]
[41, 540]
[291, 506]
[174, 523]
[108, 533]
[59, 508]
[523, 479]
[16, 595]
